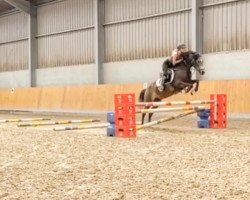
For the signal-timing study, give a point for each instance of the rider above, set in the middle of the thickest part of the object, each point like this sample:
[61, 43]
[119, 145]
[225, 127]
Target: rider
[176, 54]
[174, 60]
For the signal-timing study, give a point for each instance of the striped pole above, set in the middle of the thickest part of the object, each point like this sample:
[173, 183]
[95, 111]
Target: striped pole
[23, 120]
[57, 122]
[174, 103]
[171, 109]
[165, 120]
[80, 127]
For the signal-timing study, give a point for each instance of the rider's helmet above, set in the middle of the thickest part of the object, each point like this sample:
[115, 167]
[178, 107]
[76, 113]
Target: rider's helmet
[181, 46]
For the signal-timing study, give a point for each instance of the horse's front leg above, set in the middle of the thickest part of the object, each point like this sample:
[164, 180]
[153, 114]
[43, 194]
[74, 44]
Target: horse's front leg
[195, 88]
[183, 86]
[187, 89]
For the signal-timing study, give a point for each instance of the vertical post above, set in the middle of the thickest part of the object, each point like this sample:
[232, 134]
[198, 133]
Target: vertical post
[32, 45]
[196, 26]
[125, 119]
[222, 111]
[213, 106]
[218, 111]
[99, 40]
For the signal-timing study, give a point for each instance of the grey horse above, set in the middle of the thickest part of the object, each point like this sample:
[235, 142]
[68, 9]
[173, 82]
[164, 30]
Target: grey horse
[181, 82]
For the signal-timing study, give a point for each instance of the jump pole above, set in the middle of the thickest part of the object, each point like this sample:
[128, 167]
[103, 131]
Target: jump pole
[125, 125]
[165, 120]
[23, 120]
[57, 122]
[171, 109]
[172, 103]
[80, 127]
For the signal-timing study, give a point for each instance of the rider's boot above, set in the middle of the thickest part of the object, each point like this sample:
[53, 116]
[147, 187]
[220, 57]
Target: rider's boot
[168, 85]
[165, 85]
[162, 86]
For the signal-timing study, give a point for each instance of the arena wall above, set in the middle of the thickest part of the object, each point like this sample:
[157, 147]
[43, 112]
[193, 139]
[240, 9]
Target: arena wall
[137, 40]
[219, 66]
[100, 98]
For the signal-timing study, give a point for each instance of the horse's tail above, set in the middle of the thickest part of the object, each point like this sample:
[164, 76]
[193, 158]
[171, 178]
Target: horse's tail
[141, 96]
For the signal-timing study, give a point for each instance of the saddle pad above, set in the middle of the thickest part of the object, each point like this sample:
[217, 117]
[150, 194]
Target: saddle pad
[172, 75]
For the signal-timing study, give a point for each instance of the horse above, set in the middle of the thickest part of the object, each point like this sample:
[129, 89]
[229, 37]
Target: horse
[181, 81]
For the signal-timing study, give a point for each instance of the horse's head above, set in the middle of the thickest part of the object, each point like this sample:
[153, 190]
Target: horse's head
[194, 59]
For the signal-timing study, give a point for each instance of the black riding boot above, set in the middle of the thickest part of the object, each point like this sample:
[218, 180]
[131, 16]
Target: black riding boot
[167, 85]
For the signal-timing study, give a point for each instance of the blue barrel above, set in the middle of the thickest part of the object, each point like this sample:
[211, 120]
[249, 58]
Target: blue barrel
[111, 130]
[203, 121]
[111, 117]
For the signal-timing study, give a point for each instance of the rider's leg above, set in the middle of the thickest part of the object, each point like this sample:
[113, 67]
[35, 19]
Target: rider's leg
[165, 77]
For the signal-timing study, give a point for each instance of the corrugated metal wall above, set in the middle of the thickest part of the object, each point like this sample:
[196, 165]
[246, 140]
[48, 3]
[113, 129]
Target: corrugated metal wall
[65, 33]
[226, 27]
[13, 42]
[134, 29]
[138, 29]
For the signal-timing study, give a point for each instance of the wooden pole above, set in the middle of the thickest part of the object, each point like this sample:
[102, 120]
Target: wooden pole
[170, 103]
[80, 127]
[170, 109]
[57, 122]
[23, 120]
[165, 120]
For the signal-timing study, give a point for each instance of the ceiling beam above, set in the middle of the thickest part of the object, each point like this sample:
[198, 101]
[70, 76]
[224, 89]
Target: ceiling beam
[22, 5]
[99, 38]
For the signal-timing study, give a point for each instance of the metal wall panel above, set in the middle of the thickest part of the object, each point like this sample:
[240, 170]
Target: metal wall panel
[65, 33]
[143, 35]
[226, 27]
[73, 48]
[116, 10]
[14, 56]
[205, 2]
[13, 42]
[13, 27]
[65, 15]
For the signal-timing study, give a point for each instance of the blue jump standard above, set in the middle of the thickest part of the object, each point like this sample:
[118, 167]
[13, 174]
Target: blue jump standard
[203, 122]
[111, 121]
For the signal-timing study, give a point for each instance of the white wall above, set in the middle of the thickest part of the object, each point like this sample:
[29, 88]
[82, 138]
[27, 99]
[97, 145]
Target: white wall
[14, 79]
[219, 66]
[227, 65]
[71, 75]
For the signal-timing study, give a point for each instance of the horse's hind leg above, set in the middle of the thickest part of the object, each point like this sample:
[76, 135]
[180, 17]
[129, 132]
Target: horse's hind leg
[153, 107]
[151, 114]
[143, 115]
